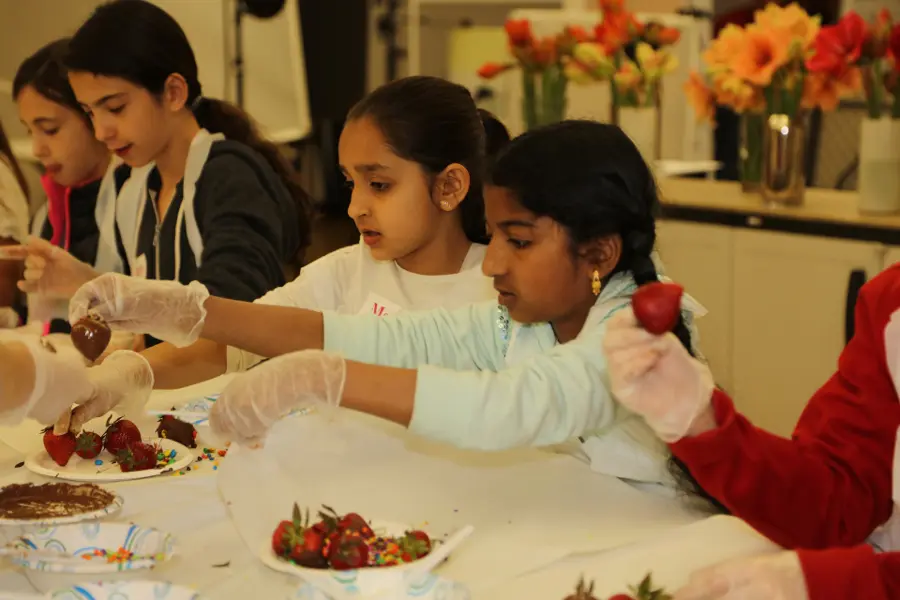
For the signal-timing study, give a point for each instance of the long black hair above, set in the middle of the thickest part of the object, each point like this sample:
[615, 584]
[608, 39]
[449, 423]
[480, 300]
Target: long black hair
[590, 178]
[139, 42]
[435, 123]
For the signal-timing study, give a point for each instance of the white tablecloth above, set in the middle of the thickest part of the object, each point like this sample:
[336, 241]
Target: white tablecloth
[540, 518]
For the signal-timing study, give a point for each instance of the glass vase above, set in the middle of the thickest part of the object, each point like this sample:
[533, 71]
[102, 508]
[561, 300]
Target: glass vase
[543, 96]
[784, 164]
[750, 159]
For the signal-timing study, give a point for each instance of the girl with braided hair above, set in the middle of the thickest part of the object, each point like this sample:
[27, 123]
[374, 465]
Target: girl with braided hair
[570, 208]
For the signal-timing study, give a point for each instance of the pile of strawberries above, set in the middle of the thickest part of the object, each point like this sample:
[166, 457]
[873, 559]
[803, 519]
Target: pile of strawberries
[343, 542]
[643, 591]
[122, 439]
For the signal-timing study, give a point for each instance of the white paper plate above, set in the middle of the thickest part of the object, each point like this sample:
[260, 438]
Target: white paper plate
[113, 508]
[125, 590]
[82, 469]
[432, 588]
[91, 548]
[351, 583]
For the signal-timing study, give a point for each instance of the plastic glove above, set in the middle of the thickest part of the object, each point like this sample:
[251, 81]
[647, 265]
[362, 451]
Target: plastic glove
[49, 270]
[255, 400]
[61, 379]
[167, 310]
[772, 577]
[655, 377]
[122, 382]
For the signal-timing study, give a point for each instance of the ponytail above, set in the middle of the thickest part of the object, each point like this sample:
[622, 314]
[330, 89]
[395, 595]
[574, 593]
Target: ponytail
[217, 116]
[640, 245]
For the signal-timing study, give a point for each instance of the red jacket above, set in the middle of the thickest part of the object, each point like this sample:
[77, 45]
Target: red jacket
[831, 484]
[851, 574]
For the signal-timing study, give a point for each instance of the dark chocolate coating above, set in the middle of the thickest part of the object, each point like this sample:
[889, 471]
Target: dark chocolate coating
[177, 430]
[91, 337]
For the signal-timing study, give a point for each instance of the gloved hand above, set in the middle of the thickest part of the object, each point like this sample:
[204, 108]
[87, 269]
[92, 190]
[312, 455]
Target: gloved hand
[60, 379]
[771, 577]
[49, 270]
[167, 310]
[123, 381]
[255, 400]
[655, 377]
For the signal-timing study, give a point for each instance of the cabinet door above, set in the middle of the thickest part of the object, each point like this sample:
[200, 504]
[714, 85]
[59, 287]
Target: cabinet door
[892, 256]
[700, 258]
[790, 318]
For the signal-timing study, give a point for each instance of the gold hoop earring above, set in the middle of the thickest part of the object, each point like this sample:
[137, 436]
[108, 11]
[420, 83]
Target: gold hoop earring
[595, 282]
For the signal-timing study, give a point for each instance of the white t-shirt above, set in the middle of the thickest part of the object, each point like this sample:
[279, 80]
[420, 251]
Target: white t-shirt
[13, 205]
[349, 281]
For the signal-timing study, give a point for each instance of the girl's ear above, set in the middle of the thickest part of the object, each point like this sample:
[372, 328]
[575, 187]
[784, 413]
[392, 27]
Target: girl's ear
[601, 254]
[175, 92]
[451, 187]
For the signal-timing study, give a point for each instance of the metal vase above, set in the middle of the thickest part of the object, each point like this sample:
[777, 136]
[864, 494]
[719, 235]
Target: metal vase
[784, 174]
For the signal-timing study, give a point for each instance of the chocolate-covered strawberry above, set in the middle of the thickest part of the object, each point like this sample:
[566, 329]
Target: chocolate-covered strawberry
[91, 336]
[297, 541]
[349, 552]
[137, 457]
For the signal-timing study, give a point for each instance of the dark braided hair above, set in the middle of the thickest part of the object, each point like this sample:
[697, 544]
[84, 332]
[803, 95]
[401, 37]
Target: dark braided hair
[590, 178]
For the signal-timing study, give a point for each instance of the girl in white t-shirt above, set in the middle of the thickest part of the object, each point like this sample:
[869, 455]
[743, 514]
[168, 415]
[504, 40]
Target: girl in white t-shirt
[413, 152]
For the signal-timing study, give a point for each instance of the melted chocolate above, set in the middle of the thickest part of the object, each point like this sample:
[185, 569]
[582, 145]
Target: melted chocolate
[51, 500]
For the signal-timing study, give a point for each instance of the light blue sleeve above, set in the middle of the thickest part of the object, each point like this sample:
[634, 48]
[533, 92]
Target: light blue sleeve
[547, 399]
[465, 339]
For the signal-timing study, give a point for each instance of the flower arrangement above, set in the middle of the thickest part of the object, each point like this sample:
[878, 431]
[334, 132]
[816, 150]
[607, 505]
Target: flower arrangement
[868, 55]
[761, 68]
[634, 56]
[541, 61]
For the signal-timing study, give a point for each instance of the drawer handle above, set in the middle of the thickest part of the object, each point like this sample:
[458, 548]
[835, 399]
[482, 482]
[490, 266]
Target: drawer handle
[855, 283]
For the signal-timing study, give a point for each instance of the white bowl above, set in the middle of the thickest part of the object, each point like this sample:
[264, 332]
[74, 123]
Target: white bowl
[91, 548]
[125, 590]
[356, 583]
[431, 588]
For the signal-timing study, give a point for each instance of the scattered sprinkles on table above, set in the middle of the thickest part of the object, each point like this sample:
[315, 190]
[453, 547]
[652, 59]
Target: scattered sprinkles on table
[209, 456]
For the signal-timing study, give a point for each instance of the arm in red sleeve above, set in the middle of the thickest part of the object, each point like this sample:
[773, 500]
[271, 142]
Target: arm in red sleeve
[851, 574]
[831, 484]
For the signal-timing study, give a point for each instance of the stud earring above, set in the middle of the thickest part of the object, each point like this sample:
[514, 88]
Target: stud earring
[445, 205]
[595, 282]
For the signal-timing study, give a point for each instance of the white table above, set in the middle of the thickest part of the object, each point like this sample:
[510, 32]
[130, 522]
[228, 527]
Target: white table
[542, 518]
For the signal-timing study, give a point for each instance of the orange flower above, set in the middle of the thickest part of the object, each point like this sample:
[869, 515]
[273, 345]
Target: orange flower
[700, 96]
[490, 70]
[723, 50]
[825, 91]
[617, 30]
[764, 52]
[579, 34]
[544, 53]
[519, 32]
[738, 94]
[796, 21]
[658, 34]
[628, 77]
[611, 6]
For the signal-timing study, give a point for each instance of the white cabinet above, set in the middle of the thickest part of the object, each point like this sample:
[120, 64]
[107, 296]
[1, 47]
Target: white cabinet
[790, 310]
[892, 256]
[777, 308]
[700, 258]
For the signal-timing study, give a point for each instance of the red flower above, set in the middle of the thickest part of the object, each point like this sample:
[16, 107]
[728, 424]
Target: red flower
[491, 70]
[876, 45]
[579, 34]
[839, 46]
[519, 32]
[617, 30]
[894, 46]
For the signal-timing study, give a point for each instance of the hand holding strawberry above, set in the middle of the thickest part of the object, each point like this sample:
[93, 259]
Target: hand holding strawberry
[655, 377]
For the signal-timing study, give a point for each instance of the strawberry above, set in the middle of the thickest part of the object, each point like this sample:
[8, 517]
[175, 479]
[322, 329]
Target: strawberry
[59, 447]
[299, 543]
[657, 306]
[644, 591]
[621, 597]
[415, 544]
[119, 435]
[350, 552]
[137, 457]
[88, 444]
[354, 522]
